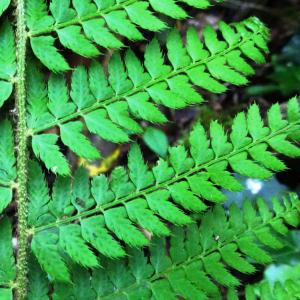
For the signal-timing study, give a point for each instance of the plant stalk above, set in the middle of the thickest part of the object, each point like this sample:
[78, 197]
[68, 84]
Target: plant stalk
[21, 140]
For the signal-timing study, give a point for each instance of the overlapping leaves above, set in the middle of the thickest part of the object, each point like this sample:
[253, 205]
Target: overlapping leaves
[195, 262]
[82, 25]
[285, 286]
[104, 211]
[7, 262]
[110, 105]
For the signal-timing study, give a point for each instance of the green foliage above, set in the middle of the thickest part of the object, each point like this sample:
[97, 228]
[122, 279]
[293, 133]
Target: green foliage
[284, 287]
[198, 259]
[7, 262]
[139, 197]
[110, 105]
[7, 164]
[281, 278]
[156, 140]
[139, 232]
[7, 60]
[83, 25]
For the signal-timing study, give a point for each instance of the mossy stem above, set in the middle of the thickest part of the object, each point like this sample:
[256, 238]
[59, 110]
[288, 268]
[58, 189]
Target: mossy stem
[21, 140]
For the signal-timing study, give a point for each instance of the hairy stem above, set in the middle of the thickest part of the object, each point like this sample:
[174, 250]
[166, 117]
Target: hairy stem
[21, 139]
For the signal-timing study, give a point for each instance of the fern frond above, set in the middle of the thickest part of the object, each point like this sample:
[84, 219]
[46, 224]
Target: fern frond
[7, 60]
[7, 262]
[4, 4]
[196, 261]
[85, 24]
[161, 231]
[93, 213]
[110, 105]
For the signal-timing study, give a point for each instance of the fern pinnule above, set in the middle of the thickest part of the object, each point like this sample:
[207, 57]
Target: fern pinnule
[111, 105]
[188, 181]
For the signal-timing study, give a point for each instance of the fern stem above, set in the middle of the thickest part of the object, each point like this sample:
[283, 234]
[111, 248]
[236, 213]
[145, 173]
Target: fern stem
[103, 103]
[194, 170]
[21, 139]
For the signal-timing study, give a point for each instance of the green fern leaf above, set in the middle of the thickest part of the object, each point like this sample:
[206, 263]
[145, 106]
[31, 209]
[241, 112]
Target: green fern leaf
[138, 171]
[47, 253]
[166, 223]
[7, 263]
[144, 198]
[71, 241]
[7, 59]
[131, 91]
[45, 148]
[61, 197]
[61, 11]
[59, 104]
[39, 196]
[7, 163]
[194, 263]
[43, 48]
[101, 239]
[281, 281]
[4, 4]
[99, 23]
[38, 283]
[72, 137]
[71, 38]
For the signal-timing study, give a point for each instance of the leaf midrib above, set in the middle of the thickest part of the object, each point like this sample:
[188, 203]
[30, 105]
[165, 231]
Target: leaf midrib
[141, 88]
[164, 185]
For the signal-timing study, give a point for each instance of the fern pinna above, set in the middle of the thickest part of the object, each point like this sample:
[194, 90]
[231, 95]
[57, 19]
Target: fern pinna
[141, 232]
[110, 109]
[200, 258]
[139, 197]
